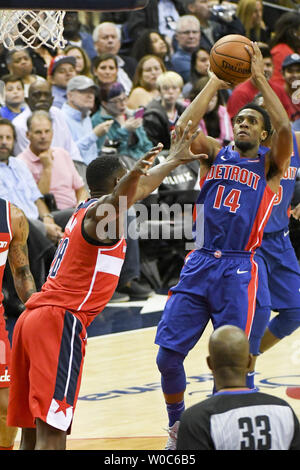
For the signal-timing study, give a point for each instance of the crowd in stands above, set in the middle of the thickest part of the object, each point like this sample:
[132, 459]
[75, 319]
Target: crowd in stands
[119, 86]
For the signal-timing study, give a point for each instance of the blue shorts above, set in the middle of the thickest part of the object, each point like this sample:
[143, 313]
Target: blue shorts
[278, 272]
[211, 287]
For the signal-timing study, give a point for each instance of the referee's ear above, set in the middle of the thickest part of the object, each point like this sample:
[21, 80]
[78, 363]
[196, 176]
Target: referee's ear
[208, 360]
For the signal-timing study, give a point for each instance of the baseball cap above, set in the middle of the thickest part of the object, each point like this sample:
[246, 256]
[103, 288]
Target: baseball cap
[291, 60]
[81, 82]
[58, 60]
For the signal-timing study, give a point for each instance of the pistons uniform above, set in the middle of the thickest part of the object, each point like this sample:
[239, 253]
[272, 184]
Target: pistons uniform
[5, 239]
[219, 278]
[82, 279]
[278, 265]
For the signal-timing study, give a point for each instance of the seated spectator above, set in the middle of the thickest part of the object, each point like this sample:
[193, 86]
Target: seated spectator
[151, 42]
[250, 12]
[14, 97]
[188, 36]
[52, 167]
[291, 75]
[81, 93]
[216, 122]
[245, 92]
[126, 131]
[19, 63]
[61, 70]
[17, 185]
[162, 113]
[83, 64]
[285, 41]
[144, 82]
[107, 38]
[75, 35]
[40, 98]
[105, 69]
[199, 68]
[216, 20]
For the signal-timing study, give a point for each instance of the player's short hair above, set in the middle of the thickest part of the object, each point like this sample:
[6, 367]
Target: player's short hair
[263, 112]
[101, 170]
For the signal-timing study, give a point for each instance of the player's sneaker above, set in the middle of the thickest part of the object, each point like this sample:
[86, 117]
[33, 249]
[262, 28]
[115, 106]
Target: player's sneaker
[172, 440]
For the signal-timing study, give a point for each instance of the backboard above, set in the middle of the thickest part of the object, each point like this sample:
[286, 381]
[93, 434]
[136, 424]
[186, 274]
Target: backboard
[74, 5]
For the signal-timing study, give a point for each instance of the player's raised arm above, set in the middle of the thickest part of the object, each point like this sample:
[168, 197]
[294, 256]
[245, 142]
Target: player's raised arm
[282, 141]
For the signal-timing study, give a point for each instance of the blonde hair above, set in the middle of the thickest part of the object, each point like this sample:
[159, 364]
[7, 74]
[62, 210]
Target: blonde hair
[169, 78]
[244, 12]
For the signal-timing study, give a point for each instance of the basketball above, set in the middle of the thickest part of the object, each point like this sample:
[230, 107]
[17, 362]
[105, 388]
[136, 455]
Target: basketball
[229, 59]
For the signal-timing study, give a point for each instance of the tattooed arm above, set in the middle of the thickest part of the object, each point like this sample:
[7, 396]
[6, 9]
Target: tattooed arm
[18, 255]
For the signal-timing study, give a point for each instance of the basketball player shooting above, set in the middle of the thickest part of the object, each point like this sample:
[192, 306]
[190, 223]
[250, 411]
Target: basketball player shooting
[50, 336]
[238, 187]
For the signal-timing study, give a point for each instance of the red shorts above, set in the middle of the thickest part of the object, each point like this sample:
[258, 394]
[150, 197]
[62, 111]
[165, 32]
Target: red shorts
[5, 353]
[46, 368]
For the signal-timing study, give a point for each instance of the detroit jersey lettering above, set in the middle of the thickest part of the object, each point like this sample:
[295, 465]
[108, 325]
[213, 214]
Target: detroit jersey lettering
[234, 203]
[279, 218]
[84, 273]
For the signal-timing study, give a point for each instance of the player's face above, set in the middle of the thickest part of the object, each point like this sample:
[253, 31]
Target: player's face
[248, 129]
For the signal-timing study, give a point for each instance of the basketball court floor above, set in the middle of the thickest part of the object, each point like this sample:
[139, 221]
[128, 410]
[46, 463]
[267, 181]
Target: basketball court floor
[120, 404]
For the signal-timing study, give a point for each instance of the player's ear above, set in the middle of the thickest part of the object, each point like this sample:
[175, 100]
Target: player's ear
[263, 136]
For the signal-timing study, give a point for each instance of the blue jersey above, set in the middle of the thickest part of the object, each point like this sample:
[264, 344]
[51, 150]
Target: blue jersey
[279, 218]
[234, 203]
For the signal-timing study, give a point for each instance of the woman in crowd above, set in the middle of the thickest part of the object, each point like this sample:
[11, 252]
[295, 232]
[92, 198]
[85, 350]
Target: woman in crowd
[83, 62]
[250, 13]
[286, 41]
[19, 63]
[105, 69]
[144, 81]
[199, 68]
[151, 42]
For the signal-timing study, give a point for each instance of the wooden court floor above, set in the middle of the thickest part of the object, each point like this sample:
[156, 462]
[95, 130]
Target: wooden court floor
[120, 404]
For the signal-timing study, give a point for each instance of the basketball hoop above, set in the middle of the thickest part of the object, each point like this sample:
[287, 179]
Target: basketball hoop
[34, 28]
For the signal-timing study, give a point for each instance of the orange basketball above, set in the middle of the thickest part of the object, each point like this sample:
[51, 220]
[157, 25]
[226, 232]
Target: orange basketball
[229, 59]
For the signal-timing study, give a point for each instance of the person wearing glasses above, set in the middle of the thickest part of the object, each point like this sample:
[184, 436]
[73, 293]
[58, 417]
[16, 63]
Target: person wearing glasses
[187, 37]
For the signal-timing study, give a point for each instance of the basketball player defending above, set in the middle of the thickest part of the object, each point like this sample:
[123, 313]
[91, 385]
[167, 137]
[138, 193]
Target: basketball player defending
[219, 279]
[50, 336]
[13, 246]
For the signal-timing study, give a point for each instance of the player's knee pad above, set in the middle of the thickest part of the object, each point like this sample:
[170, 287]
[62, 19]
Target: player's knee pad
[285, 323]
[259, 325]
[170, 365]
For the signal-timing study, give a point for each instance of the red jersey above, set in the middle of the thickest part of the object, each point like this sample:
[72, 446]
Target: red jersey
[84, 273]
[5, 239]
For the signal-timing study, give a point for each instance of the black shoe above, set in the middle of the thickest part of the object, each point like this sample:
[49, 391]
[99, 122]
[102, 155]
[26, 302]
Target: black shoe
[137, 291]
[119, 297]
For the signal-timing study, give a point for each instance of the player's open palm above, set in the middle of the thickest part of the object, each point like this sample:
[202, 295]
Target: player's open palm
[146, 161]
[181, 146]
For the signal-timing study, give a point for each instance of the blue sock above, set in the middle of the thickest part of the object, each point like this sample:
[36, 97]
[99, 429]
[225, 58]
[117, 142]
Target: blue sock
[174, 411]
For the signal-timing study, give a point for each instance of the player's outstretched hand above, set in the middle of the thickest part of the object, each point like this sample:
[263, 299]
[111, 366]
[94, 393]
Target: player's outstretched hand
[143, 165]
[180, 149]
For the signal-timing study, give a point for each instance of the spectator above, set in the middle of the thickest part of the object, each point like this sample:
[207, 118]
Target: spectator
[105, 69]
[126, 131]
[19, 63]
[107, 38]
[285, 41]
[245, 92]
[61, 70]
[18, 186]
[52, 167]
[144, 83]
[13, 96]
[81, 92]
[216, 121]
[250, 12]
[76, 36]
[188, 39]
[162, 113]
[216, 20]
[40, 97]
[160, 15]
[83, 63]
[199, 68]
[236, 418]
[291, 75]
[151, 42]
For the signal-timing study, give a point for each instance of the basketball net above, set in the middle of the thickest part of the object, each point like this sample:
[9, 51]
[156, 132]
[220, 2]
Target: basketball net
[33, 28]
